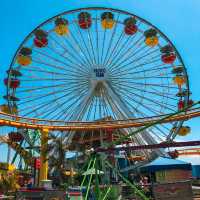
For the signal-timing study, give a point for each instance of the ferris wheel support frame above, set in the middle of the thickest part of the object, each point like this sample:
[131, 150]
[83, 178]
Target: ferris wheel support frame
[145, 134]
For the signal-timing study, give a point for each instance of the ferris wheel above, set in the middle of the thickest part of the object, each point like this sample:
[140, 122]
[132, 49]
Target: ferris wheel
[94, 64]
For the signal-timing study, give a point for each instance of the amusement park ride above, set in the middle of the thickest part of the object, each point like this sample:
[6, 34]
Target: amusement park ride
[96, 79]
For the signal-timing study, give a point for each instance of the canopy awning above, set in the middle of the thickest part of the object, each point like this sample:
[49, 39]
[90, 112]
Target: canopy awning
[163, 163]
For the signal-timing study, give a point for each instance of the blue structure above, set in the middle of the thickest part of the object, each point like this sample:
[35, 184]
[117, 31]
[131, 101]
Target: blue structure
[163, 163]
[196, 171]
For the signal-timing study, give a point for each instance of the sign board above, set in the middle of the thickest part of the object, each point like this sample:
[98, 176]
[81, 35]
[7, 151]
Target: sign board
[173, 191]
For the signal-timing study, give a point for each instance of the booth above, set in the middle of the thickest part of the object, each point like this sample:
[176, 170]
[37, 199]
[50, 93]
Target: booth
[170, 178]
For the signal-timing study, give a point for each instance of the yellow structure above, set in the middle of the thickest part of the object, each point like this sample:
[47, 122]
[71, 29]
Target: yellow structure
[108, 23]
[62, 29]
[24, 60]
[43, 155]
[152, 41]
[184, 130]
[179, 80]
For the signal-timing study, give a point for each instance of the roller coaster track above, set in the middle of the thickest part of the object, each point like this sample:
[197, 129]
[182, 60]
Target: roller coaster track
[21, 151]
[33, 123]
[189, 152]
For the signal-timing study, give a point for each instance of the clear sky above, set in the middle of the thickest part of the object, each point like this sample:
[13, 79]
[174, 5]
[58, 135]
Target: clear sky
[178, 19]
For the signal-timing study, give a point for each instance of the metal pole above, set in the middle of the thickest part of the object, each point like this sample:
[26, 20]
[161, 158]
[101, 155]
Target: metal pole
[43, 155]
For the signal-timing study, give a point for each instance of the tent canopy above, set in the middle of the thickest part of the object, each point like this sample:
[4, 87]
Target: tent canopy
[162, 163]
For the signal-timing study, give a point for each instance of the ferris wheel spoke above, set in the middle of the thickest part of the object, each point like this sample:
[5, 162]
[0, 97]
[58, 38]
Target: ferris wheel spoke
[71, 88]
[61, 61]
[47, 104]
[75, 58]
[111, 41]
[95, 109]
[72, 64]
[89, 110]
[116, 46]
[162, 71]
[161, 131]
[54, 66]
[105, 106]
[159, 93]
[85, 45]
[51, 70]
[128, 71]
[150, 77]
[127, 66]
[115, 109]
[34, 69]
[103, 45]
[132, 68]
[97, 39]
[129, 99]
[102, 105]
[120, 55]
[56, 86]
[142, 114]
[144, 84]
[76, 66]
[70, 79]
[84, 106]
[81, 46]
[78, 44]
[122, 64]
[155, 102]
[152, 69]
[91, 45]
[39, 88]
[84, 58]
[115, 53]
[62, 113]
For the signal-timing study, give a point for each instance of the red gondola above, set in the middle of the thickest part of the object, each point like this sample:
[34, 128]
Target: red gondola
[40, 42]
[168, 58]
[130, 26]
[131, 29]
[13, 83]
[15, 136]
[84, 20]
[181, 105]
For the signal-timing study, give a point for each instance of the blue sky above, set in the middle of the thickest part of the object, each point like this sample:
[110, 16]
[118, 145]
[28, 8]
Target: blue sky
[178, 19]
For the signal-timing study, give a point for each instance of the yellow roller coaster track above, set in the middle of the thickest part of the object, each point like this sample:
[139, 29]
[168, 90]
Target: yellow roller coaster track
[33, 123]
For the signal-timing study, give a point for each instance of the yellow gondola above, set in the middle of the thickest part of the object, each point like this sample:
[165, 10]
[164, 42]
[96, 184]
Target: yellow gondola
[183, 131]
[107, 20]
[179, 80]
[24, 60]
